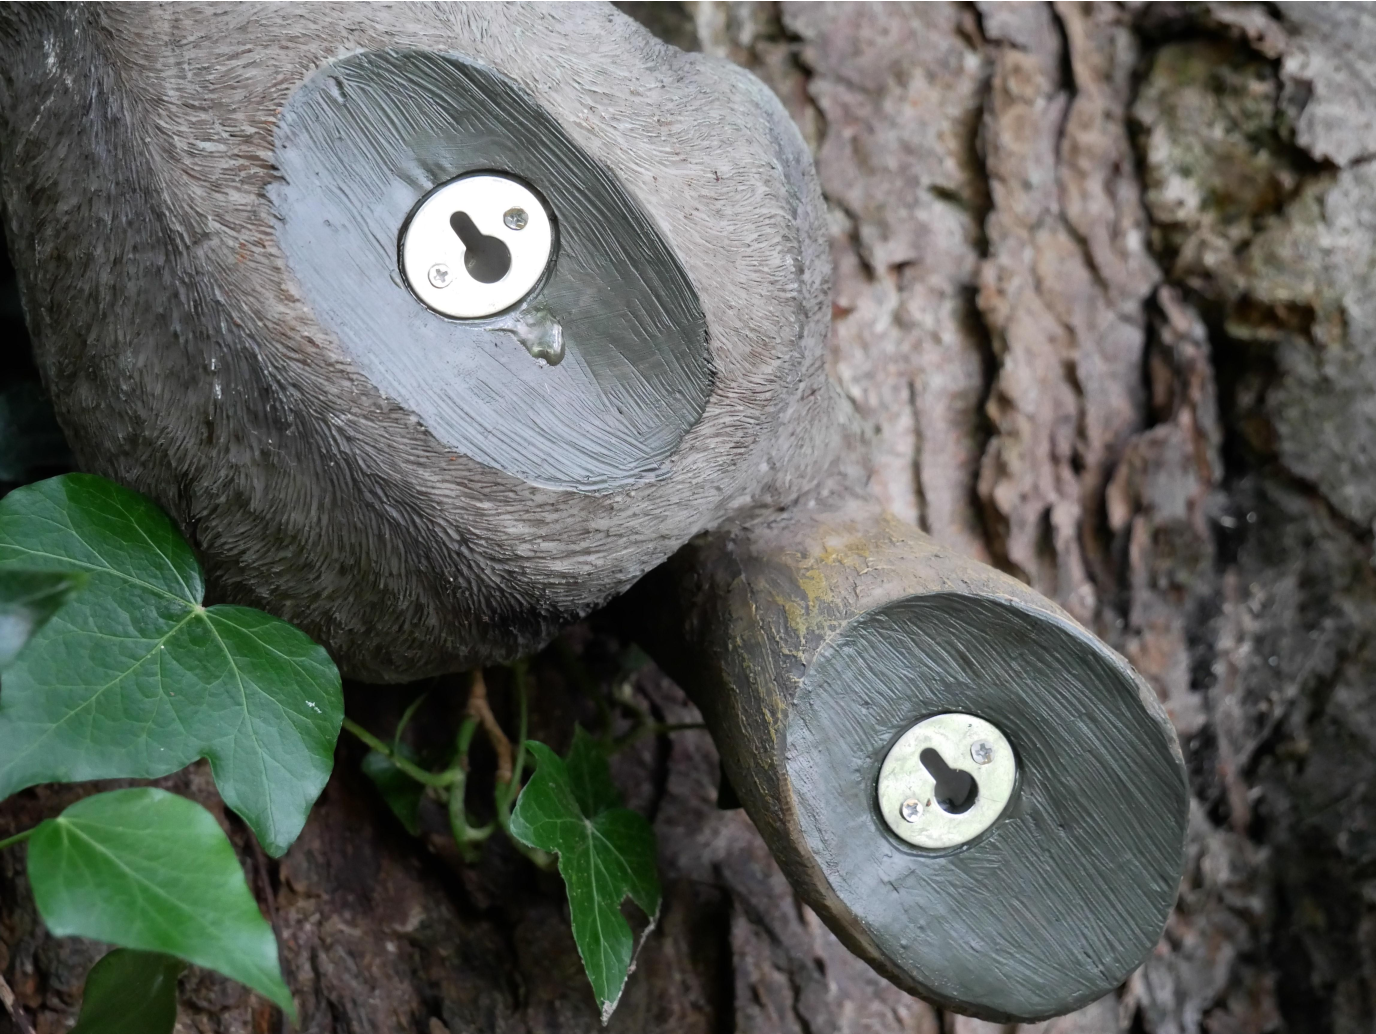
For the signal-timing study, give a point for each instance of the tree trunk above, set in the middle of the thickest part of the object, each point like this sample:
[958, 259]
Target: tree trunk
[1101, 297]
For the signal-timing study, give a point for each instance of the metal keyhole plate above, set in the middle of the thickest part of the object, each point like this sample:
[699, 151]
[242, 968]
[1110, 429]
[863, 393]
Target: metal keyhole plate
[489, 210]
[908, 797]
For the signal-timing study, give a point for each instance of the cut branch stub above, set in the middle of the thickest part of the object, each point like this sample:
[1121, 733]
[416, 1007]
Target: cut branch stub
[818, 642]
[427, 449]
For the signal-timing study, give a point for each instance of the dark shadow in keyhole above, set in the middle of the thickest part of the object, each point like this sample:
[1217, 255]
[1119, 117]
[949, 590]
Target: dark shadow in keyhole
[487, 259]
[956, 791]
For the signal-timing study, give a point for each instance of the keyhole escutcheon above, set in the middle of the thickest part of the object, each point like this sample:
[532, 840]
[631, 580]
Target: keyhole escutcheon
[477, 246]
[946, 780]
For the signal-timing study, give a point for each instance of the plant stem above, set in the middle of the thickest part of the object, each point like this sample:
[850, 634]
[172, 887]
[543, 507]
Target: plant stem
[406, 719]
[506, 793]
[479, 708]
[18, 838]
[465, 740]
[420, 775]
[508, 789]
[466, 835]
[523, 721]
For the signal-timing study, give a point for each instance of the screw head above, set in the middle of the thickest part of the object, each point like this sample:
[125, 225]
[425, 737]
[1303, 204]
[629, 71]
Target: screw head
[515, 218]
[439, 275]
[982, 751]
[911, 809]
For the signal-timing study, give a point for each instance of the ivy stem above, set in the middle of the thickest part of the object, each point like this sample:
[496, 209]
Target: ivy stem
[464, 741]
[406, 719]
[479, 708]
[18, 838]
[506, 792]
[508, 788]
[420, 775]
[466, 837]
[465, 834]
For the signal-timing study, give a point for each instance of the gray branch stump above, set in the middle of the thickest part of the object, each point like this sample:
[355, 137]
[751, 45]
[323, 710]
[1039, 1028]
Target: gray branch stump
[437, 327]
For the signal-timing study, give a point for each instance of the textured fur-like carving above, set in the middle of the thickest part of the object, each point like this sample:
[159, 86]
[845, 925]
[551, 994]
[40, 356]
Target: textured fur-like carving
[183, 361]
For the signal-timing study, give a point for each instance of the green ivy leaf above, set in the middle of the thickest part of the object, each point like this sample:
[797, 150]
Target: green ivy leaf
[134, 678]
[606, 853]
[130, 992]
[27, 600]
[401, 793]
[146, 869]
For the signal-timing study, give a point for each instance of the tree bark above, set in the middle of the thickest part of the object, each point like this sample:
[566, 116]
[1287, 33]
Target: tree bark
[1102, 300]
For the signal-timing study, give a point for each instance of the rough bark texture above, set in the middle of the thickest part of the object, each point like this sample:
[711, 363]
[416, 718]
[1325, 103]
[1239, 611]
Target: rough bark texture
[1103, 296]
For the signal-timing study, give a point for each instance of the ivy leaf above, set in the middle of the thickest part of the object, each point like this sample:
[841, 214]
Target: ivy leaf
[401, 793]
[130, 992]
[134, 678]
[27, 600]
[606, 853]
[146, 869]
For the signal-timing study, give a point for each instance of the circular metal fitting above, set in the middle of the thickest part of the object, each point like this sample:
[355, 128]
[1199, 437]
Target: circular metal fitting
[476, 246]
[946, 780]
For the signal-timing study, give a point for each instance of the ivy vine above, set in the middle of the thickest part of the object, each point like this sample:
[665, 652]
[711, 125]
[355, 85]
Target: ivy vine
[112, 666]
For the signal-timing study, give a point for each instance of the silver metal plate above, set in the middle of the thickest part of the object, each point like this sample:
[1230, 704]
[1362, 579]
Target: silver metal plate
[438, 265]
[908, 784]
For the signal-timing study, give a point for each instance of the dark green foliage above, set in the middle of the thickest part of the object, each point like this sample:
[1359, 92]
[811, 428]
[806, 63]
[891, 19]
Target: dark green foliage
[146, 869]
[401, 793]
[606, 853]
[115, 668]
[130, 992]
[133, 677]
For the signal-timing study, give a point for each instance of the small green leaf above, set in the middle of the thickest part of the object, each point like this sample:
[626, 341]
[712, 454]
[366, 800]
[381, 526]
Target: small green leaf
[27, 600]
[402, 793]
[130, 992]
[149, 870]
[606, 853]
[134, 678]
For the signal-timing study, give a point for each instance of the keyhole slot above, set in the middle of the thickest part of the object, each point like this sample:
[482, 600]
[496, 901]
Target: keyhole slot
[487, 259]
[956, 791]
